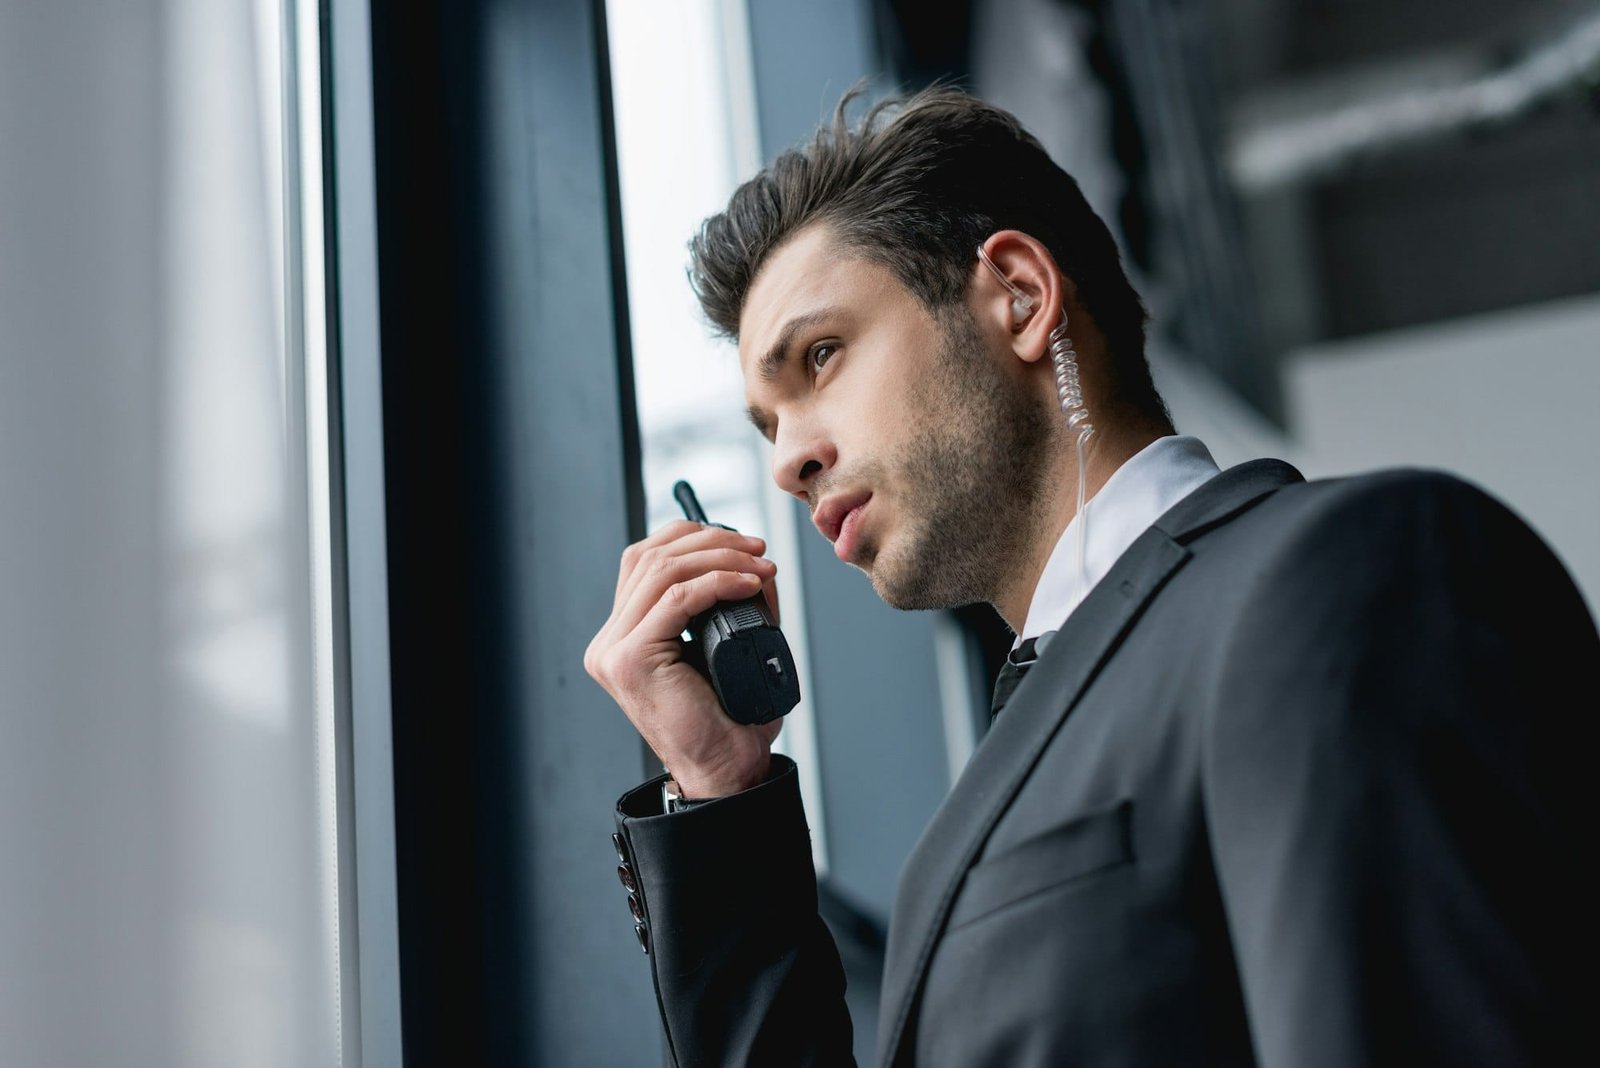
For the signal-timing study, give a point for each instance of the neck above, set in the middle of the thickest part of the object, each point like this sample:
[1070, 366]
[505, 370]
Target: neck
[1108, 450]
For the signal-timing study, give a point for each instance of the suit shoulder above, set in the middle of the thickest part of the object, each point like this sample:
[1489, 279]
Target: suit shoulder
[1394, 507]
[1396, 488]
[1424, 539]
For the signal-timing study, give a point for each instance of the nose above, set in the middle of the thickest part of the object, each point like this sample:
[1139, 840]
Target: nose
[800, 454]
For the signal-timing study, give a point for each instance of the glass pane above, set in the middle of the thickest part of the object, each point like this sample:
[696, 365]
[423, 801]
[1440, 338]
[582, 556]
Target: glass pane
[168, 857]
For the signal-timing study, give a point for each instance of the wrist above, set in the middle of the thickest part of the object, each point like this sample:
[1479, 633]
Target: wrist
[694, 785]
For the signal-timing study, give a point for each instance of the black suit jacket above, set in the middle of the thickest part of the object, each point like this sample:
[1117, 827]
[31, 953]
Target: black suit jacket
[1297, 785]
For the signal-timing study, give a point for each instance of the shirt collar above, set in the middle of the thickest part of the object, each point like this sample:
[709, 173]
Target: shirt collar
[1138, 493]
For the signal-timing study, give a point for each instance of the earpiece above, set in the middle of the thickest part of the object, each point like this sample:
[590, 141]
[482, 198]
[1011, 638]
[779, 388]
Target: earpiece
[1021, 303]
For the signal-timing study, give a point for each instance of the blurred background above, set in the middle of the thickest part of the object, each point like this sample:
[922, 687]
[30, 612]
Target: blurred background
[346, 345]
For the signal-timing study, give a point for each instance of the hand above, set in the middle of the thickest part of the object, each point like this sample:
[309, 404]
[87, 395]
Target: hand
[666, 580]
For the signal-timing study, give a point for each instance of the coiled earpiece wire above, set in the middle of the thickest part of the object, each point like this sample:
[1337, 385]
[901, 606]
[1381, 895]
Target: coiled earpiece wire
[1069, 392]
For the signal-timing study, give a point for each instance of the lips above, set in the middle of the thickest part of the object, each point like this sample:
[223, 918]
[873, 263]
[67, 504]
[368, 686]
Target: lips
[831, 514]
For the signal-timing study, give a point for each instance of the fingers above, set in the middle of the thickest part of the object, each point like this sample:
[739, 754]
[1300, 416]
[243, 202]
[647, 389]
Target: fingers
[674, 539]
[655, 553]
[679, 603]
[653, 579]
[678, 528]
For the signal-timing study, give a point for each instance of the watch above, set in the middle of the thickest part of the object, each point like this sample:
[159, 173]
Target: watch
[672, 799]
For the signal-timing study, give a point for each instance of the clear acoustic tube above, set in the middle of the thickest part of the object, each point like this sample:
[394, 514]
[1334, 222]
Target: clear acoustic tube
[1069, 390]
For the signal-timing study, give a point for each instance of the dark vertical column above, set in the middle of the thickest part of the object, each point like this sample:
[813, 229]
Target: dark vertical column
[511, 477]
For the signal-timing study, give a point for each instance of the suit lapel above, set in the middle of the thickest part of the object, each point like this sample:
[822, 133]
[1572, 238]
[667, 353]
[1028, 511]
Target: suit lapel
[1041, 704]
[1233, 491]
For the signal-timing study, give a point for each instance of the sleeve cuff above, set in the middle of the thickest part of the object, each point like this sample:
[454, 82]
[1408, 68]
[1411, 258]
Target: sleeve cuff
[759, 829]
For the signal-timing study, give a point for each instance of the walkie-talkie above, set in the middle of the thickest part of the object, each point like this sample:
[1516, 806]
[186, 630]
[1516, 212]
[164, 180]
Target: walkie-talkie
[740, 649]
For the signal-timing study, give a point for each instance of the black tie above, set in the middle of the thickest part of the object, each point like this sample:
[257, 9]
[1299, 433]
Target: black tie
[1018, 661]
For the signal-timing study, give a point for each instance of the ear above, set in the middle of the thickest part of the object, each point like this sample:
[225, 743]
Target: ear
[1022, 265]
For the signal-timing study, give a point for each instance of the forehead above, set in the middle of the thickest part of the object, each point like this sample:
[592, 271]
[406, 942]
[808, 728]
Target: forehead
[807, 275]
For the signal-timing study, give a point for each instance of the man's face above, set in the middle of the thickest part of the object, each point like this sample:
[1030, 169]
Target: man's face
[916, 442]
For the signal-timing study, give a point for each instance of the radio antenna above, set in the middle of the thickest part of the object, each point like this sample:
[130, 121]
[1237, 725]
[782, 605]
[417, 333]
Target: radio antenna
[690, 503]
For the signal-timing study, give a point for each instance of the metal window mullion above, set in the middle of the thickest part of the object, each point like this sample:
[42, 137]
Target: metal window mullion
[358, 558]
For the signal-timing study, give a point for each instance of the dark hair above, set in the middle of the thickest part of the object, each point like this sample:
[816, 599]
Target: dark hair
[917, 186]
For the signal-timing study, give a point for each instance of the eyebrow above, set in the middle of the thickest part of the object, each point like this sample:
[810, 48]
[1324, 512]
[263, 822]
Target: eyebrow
[770, 365]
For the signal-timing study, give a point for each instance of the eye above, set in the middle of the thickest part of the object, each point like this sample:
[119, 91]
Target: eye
[821, 354]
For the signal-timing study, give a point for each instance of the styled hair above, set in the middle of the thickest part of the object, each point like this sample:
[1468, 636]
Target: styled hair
[916, 186]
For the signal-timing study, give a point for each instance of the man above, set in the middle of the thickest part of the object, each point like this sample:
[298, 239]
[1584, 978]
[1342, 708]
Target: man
[1290, 781]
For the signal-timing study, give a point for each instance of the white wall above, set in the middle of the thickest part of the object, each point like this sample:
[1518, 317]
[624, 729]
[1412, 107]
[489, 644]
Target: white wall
[1508, 400]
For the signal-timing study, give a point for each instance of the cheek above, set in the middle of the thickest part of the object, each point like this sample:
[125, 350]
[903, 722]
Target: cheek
[890, 400]
[874, 433]
[884, 399]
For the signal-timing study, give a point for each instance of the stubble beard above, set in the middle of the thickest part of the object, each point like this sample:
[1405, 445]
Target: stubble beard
[974, 481]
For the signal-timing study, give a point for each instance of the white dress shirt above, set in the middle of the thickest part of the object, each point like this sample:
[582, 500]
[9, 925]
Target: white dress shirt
[1154, 479]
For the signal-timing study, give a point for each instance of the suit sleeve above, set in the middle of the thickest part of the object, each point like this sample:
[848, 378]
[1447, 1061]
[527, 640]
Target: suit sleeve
[745, 971]
[1392, 785]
